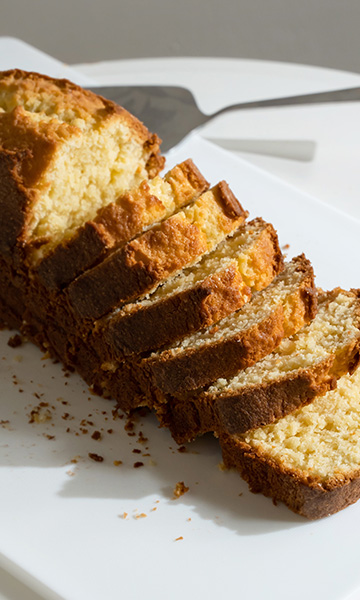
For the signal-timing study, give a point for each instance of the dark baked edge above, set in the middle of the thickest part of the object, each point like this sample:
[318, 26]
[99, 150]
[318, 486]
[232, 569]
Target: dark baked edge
[93, 240]
[129, 273]
[198, 413]
[175, 373]
[303, 494]
[151, 327]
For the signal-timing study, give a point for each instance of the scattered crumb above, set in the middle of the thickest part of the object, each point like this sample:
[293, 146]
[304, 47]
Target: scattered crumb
[138, 464]
[154, 508]
[15, 341]
[70, 473]
[67, 417]
[140, 516]
[178, 538]
[49, 437]
[189, 519]
[75, 459]
[96, 435]
[240, 494]
[117, 463]
[110, 430]
[95, 457]
[124, 515]
[129, 425]
[5, 424]
[286, 247]
[141, 438]
[40, 414]
[137, 451]
[222, 467]
[180, 489]
[18, 358]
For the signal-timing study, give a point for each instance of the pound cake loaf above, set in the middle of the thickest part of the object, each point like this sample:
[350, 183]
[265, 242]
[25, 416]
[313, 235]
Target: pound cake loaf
[159, 253]
[310, 459]
[120, 221]
[304, 366]
[198, 297]
[242, 338]
[64, 153]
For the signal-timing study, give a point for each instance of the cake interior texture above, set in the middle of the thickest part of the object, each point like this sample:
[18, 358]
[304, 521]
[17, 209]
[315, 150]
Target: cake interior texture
[335, 326]
[279, 292]
[241, 248]
[82, 155]
[321, 440]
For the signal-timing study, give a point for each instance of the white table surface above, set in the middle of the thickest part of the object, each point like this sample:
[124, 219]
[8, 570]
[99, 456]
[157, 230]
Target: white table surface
[334, 174]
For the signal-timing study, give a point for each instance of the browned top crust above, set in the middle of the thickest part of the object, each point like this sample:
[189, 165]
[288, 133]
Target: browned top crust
[116, 224]
[178, 370]
[139, 328]
[28, 143]
[151, 258]
[63, 98]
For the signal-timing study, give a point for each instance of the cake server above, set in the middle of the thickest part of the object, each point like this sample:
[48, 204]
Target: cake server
[172, 111]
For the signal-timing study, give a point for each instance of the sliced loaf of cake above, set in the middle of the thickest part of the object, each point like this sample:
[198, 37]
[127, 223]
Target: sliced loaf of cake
[242, 338]
[120, 221]
[198, 297]
[64, 153]
[310, 459]
[161, 252]
[304, 366]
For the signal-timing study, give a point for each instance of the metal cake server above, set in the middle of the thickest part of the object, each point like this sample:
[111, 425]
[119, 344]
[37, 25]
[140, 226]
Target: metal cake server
[172, 111]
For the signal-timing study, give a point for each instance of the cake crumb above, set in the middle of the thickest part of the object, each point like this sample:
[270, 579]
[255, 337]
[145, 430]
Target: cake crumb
[140, 516]
[70, 473]
[40, 414]
[180, 489]
[96, 435]
[182, 449]
[222, 467]
[15, 341]
[154, 508]
[117, 463]
[95, 457]
[138, 464]
[136, 451]
[124, 515]
[178, 538]
[141, 438]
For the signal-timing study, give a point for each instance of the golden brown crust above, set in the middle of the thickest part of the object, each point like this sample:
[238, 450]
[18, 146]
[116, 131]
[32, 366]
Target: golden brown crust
[147, 328]
[179, 370]
[252, 407]
[305, 495]
[64, 96]
[145, 262]
[28, 145]
[116, 224]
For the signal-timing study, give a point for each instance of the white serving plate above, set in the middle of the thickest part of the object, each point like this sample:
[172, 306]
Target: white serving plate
[60, 526]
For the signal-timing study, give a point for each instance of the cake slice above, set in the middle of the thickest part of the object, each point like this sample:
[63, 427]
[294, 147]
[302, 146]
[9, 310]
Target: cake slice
[161, 252]
[64, 153]
[120, 221]
[304, 366]
[310, 459]
[242, 338]
[200, 296]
